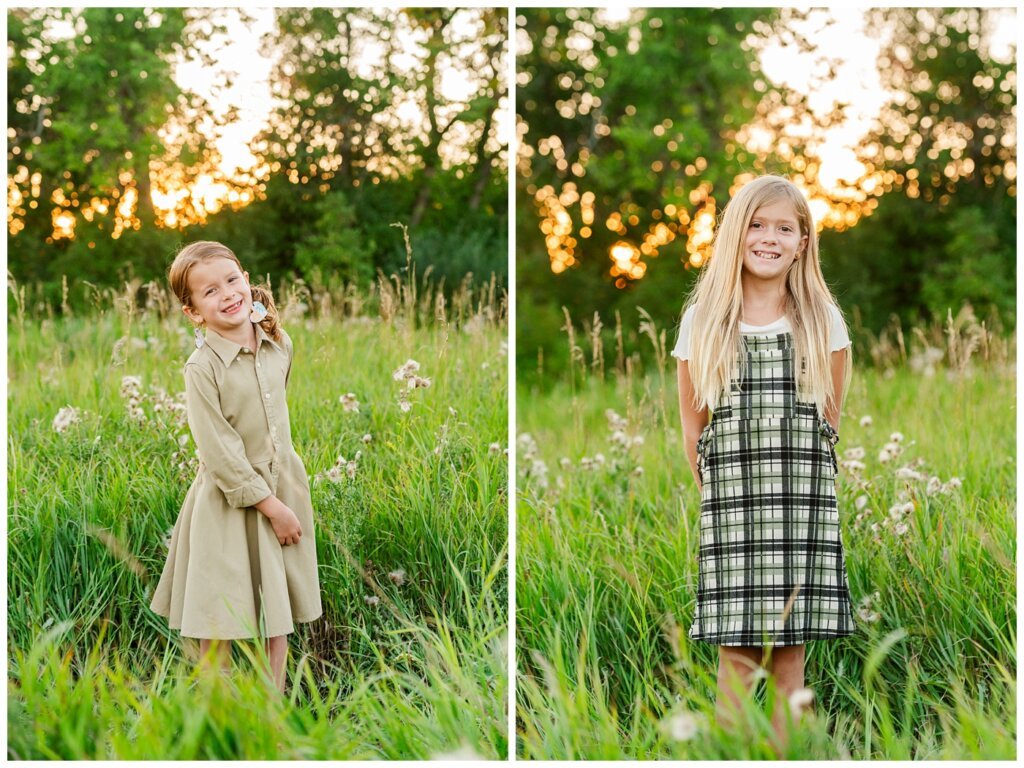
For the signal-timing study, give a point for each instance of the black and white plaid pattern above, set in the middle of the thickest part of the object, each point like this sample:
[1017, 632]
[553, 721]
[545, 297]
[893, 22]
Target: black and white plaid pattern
[771, 566]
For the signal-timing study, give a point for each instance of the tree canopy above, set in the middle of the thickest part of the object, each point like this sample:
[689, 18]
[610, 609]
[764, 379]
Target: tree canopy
[636, 130]
[381, 117]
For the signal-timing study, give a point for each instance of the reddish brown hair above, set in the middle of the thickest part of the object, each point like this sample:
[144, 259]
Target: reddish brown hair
[205, 250]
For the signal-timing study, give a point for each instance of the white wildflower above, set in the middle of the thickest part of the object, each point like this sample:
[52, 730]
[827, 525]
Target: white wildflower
[953, 483]
[684, 726]
[637, 471]
[856, 453]
[934, 486]
[397, 577]
[367, 438]
[800, 700]
[405, 405]
[896, 437]
[884, 457]
[565, 462]
[615, 422]
[130, 385]
[861, 502]
[464, 752]
[900, 528]
[371, 599]
[65, 417]
[334, 474]
[407, 369]
[853, 465]
[349, 402]
[906, 473]
[539, 472]
[494, 448]
[865, 421]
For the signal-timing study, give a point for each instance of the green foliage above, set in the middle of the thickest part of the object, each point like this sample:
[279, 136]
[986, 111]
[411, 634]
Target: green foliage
[679, 87]
[606, 571]
[346, 164]
[333, 244]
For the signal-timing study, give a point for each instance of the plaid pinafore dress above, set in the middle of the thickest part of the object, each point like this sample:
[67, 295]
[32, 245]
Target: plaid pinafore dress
[771, 569]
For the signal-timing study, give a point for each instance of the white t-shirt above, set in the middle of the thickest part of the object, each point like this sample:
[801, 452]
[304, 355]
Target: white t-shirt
[839, 337]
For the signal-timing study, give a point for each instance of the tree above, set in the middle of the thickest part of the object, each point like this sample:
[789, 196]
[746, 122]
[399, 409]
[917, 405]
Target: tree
[627, 133]
[88, 93]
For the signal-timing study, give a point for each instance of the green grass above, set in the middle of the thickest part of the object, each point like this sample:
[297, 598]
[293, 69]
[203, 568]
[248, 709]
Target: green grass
[606, 573]
[94, 674]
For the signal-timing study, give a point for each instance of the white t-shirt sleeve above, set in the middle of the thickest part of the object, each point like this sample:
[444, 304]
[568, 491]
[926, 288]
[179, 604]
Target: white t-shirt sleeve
[839, 338]
[681, 350]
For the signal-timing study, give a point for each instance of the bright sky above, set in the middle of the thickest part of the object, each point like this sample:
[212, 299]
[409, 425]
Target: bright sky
[840, 34]
[238, 54]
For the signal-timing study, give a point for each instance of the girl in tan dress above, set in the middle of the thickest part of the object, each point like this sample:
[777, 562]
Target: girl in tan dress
[242, 557]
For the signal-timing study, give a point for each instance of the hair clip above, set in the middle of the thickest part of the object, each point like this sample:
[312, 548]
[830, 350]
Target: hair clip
[200, 339]
[259, 312]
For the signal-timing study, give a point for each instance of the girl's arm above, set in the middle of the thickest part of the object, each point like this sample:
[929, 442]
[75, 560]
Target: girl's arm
[838, 380]
[693, 421]
[220, 446]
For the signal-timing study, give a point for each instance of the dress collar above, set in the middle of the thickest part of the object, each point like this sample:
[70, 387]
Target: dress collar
[228, 350]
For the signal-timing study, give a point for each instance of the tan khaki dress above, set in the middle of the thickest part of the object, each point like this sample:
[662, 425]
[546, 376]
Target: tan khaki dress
[225, 565]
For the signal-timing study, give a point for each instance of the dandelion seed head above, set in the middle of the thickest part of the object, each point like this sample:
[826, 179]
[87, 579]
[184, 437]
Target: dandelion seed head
[463, 752]
[371, 599]
[865, 421]
[684, 726]
[407, 369]
[397, 577]
[800, 700]
[65, 417]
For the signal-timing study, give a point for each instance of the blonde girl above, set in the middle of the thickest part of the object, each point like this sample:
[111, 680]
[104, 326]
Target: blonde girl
[763, 363]
[242, 558]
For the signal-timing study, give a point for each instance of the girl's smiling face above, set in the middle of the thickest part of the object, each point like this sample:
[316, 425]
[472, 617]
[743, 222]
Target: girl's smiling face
[773, 241]
[219, 296]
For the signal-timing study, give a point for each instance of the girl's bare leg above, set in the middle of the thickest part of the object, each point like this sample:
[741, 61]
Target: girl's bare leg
[277, 652]
[221, 654]
[787, 667]
[736, 668]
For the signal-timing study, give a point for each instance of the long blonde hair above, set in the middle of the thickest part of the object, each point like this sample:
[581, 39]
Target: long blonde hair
[718, 297]
[205, 250]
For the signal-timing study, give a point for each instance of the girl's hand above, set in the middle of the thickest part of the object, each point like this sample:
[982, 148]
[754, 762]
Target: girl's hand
[286, 526]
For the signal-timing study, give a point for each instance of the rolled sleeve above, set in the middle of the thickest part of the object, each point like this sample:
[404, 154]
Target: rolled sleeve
[220, 447]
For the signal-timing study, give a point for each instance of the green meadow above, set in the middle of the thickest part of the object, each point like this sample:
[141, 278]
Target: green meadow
[409, 659]
[607, 535]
